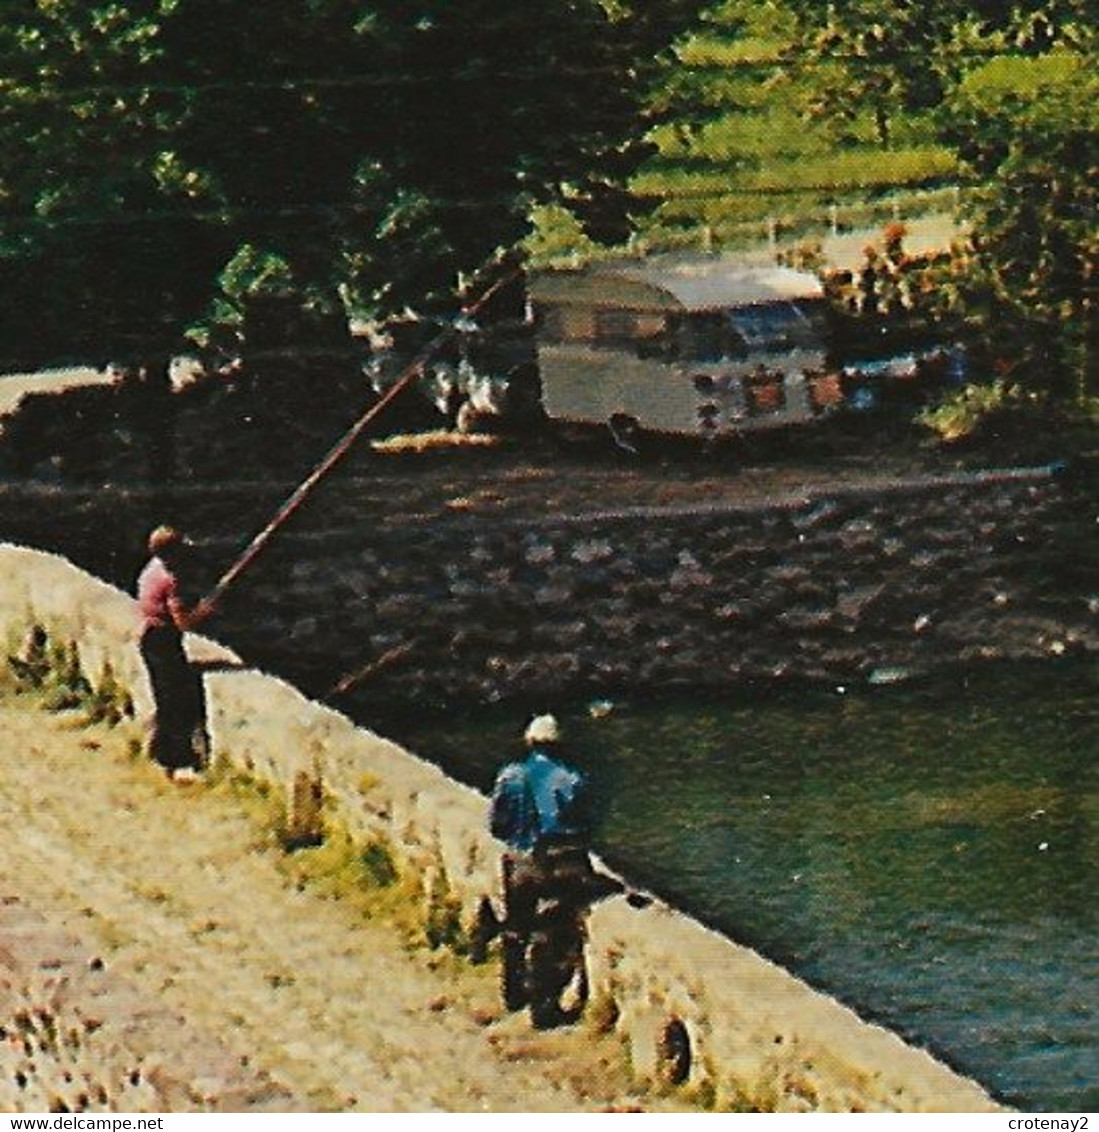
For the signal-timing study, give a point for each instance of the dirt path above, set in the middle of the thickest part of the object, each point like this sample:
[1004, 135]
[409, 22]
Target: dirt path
[299, 1000]
[14, 386]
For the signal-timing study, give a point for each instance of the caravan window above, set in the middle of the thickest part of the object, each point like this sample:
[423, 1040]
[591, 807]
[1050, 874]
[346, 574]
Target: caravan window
[565, 323]
[777, 327]
[627, 330]
[707, 336]
[615, 328]
[612, 328]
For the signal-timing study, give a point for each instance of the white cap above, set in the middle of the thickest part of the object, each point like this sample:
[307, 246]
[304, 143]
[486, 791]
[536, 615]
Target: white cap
[542, 729]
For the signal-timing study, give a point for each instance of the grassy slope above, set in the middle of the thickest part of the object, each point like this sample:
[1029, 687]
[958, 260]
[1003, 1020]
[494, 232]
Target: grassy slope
[745, 149]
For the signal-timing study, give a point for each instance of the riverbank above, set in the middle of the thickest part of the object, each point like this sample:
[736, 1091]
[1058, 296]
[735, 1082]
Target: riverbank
[482, 577]
[184, 904]
[918, 849]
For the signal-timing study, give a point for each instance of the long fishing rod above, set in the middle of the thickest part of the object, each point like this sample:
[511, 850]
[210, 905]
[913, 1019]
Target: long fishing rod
[341, 448]
[371, 669]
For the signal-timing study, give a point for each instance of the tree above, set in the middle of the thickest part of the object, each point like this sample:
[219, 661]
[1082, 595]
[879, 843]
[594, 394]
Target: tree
[375, 149]
[761, 119]
[898, 56]
[1028, 128]
[522, 105]
[103, 244]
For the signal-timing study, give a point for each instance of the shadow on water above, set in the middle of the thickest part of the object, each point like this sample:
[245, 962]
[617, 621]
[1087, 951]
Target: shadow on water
[926, 852]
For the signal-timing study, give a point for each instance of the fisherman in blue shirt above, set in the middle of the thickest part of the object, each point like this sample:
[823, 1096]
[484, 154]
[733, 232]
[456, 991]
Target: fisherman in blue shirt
[538, 800]
[539, 810]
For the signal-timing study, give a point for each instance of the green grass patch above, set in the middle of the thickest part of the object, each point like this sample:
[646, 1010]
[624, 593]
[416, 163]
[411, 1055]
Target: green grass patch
[369, 875]
[45, 663]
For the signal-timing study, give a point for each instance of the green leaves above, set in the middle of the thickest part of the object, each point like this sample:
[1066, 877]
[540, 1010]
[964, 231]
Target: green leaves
[1029, 128]
[376, 148]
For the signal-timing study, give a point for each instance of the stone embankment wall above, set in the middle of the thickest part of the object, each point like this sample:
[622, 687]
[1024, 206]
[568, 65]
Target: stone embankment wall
[758, 1036]
[874, 582]
[838, 584]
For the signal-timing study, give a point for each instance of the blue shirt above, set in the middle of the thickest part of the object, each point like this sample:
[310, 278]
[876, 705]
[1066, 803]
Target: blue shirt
[534, 799]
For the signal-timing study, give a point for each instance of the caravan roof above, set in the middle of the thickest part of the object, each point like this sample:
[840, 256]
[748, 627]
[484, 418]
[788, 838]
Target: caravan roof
[692, 286]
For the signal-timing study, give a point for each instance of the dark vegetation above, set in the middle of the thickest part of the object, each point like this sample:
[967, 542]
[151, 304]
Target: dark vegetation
[241, 181]
[172, 165]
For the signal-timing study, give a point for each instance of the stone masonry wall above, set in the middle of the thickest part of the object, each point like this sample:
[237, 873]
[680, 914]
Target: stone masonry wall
[837, 585]
[861, 583]
[758, 1036]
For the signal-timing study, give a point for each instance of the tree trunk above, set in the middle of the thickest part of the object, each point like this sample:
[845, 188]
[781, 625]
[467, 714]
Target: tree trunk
[152, 414]
[881, 122]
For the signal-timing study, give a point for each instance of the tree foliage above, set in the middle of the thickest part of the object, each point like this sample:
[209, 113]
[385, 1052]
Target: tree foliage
[103, 243]
[796, 110]
[785, 108]
[375, 149]
[765, 112]
[893, 57]
[1028, 128]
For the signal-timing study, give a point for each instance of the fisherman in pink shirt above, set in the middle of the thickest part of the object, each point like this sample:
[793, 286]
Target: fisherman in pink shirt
[177, 738]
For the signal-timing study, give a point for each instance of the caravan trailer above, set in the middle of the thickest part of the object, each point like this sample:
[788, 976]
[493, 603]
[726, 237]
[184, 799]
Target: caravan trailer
[703, 349]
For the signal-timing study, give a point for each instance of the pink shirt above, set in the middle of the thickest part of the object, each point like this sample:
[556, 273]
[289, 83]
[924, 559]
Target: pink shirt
[156, 590]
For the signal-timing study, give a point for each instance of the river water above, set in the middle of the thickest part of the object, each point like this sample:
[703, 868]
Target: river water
[926, 852]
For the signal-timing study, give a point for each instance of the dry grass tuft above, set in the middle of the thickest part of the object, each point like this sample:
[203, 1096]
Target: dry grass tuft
[427, 441]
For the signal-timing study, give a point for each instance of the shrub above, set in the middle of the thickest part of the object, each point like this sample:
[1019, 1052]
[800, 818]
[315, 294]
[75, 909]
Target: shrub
[960, 414]
[443, 915]
[109, 702]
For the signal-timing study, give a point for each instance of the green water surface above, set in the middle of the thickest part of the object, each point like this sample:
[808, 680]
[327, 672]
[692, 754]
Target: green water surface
[927, 852]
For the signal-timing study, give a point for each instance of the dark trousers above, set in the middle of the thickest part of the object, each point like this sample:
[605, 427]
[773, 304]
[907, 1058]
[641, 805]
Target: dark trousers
[547, 894]
[178, 735]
